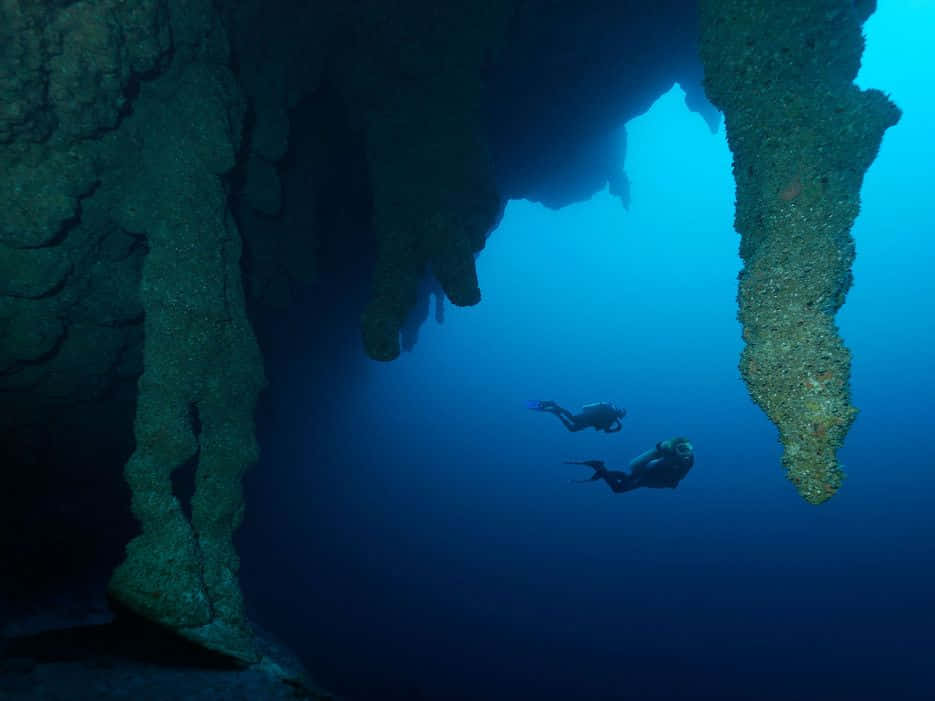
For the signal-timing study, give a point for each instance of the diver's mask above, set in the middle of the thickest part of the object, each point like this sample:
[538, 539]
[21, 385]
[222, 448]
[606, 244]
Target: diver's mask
[683, 451]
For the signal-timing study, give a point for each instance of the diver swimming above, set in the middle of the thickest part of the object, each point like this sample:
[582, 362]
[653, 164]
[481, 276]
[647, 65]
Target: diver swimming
[601, 416]
[663, 466]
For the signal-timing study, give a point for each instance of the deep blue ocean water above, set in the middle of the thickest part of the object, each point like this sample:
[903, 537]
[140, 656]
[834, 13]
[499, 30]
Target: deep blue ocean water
[412, 530]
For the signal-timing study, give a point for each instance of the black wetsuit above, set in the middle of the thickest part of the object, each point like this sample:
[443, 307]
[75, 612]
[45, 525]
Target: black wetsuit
[657, 474]
[601, 417]
[654, 469]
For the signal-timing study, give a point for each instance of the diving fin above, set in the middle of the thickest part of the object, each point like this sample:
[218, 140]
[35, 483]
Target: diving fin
[597, 465]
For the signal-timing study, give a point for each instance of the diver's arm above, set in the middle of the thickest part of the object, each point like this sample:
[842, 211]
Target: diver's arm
[674, 472]
[670, 471]
[641, 461]
[611, 429]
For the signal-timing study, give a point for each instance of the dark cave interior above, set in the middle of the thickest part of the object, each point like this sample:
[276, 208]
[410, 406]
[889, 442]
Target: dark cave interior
[565, 74]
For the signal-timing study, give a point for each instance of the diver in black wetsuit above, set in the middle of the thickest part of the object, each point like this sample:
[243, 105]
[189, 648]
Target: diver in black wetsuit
[601, 416]
[663, 466]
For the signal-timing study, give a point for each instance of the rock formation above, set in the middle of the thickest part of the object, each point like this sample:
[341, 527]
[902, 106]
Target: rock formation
[143, 151]
[802, 135]
[116, 245]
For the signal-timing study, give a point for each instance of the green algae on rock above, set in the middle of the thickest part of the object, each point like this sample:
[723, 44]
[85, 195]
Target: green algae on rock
[115, 234]
[202, 369]
[802, 136]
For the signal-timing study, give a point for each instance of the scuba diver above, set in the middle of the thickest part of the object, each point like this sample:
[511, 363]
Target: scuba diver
[663, 466]
[601, 416]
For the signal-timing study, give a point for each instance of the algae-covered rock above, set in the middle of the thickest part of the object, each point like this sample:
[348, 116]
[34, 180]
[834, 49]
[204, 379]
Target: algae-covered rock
[202, 369]
[412, 82]
[802, 135]
[115, 135]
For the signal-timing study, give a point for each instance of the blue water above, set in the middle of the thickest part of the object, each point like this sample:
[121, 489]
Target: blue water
[413, 532]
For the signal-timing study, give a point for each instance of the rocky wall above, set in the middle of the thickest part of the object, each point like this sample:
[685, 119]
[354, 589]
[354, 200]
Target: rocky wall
[117, 126]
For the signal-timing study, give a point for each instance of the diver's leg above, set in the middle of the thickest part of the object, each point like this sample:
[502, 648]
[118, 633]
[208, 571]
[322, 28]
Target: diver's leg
[572, 422]
[619, 481]
[568, 419]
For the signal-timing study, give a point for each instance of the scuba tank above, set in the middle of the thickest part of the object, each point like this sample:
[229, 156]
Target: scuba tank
[598, 409]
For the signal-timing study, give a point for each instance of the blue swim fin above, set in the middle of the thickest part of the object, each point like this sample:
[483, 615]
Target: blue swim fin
[534, 404]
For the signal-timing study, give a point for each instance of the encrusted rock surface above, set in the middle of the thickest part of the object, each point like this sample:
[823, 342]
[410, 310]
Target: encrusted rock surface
[69, 302]
[127, 657]
[802, 135]
[411, 78]
[118, 122]
[202, 369]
